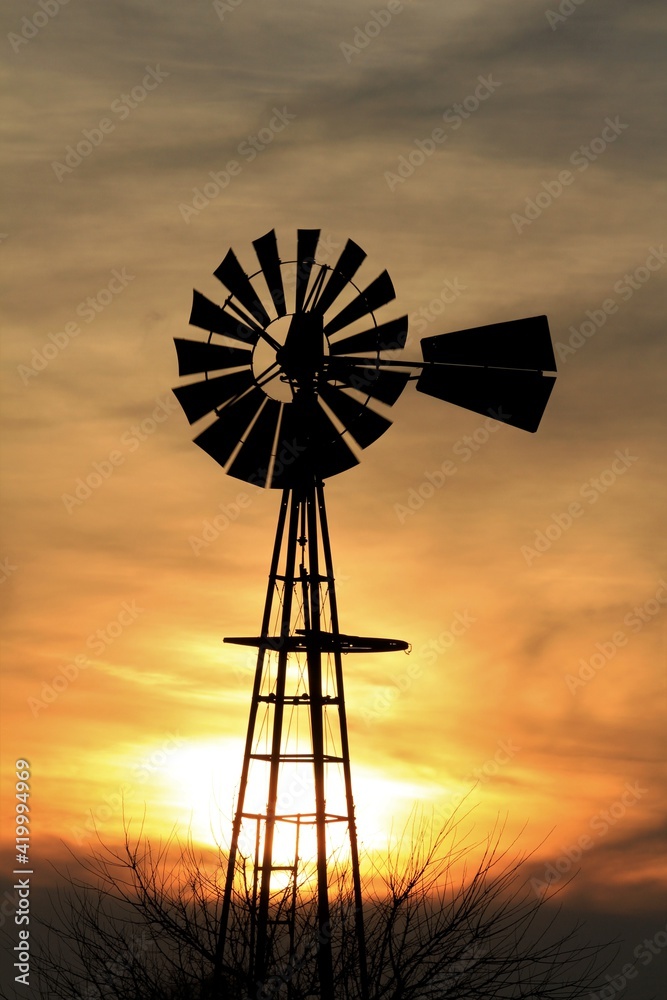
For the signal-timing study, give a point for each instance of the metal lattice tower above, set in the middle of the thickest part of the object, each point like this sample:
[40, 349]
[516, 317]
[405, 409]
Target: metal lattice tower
[309, 388]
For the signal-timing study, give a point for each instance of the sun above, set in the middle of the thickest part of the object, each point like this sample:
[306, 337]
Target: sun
[198, 788]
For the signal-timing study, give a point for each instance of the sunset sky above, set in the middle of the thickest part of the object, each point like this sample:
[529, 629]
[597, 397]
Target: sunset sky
[532, 583]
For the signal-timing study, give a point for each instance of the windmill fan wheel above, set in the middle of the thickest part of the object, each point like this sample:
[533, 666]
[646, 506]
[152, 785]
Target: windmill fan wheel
[282, 369]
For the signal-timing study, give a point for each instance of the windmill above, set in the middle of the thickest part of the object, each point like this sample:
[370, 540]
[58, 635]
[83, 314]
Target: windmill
[300, 376]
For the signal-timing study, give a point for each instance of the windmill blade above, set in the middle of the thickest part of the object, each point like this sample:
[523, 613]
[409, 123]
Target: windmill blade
[196, 356]
[291, 448]
[388, 336]
[220, 439]
[207, 316]
[377, 294]
[335, 458]
[386, 386]
[342, 273]
[331, 453]
[306, 247]
[200, 398]
[232, 275]
[363, 424]
[514, 397]
[308, 446]
[266, 248]
[522, 343]
[252, 460]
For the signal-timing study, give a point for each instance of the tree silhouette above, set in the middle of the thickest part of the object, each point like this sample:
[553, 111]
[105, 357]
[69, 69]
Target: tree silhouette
[444, 916]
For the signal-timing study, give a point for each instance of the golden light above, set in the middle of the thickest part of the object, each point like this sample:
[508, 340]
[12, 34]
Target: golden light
[197, 784]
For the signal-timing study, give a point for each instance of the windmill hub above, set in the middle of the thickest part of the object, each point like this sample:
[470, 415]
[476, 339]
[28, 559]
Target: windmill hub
[302, 355]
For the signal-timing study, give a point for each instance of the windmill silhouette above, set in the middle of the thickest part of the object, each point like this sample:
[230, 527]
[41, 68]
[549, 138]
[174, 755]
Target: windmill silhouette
[300, 377]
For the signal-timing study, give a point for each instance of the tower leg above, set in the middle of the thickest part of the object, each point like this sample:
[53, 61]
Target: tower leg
[314, 654]
[261, 956]
[298, 689]
[252, 721]
[345, 752]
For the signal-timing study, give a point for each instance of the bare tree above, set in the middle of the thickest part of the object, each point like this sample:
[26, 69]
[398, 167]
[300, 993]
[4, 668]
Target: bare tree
[444, 917]
[443, 929]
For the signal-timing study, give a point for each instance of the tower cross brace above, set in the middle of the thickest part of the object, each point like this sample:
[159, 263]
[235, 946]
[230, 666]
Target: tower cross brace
[298, 685]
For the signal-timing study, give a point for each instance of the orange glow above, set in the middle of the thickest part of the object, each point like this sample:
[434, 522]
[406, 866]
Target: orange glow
[536, 676]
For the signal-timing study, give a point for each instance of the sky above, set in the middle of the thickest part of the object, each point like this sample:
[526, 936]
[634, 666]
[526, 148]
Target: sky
[500, 160]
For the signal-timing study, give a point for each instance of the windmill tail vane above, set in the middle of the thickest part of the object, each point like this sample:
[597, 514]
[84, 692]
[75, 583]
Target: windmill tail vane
[299, 378]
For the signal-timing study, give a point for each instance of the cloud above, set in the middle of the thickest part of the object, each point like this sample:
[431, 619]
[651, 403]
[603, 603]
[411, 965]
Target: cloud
[451, 219]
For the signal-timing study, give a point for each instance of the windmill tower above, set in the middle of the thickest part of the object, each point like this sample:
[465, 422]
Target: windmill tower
[300, 377]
